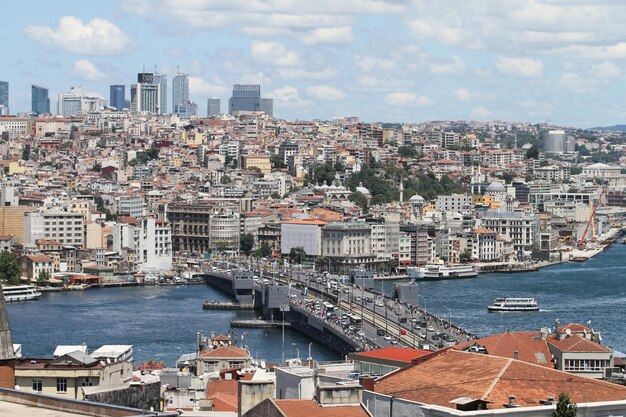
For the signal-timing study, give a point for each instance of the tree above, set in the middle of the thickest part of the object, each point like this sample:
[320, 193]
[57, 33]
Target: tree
[532, 153]
[225, 179]
[221, 245]
[297, 254]
[466, 255]
[246, 243]
[564, 408]
[324, 174]
[43, 277]
[359, 199]
[9, 268]
[277, 162]
[263, 251]
[407, 151]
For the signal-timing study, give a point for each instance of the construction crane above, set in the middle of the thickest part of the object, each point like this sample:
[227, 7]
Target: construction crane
[591, 217]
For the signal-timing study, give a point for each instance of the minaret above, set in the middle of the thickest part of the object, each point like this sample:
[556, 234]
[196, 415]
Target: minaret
[7, 356]
[401, 191]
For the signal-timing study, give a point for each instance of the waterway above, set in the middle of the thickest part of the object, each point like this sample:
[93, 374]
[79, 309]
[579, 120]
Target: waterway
[162, 322]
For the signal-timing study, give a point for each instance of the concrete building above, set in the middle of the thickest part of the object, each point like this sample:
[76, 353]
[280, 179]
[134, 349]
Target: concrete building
[347, 245]
[246, 98]
[4, 98]
[67, 228]
[36, 265]
[262, 162]
[180, 92]
[146, 95]
[454, 202]
[484, 245]
[306, 234]
[128, 205]
[519, 227]
[385, 237]
[214, 107]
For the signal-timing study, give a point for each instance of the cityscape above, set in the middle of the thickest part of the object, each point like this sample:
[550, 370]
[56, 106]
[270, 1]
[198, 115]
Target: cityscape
[289, 209]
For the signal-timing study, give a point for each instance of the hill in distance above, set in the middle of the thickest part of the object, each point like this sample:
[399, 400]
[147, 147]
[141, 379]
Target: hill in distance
[614, 128]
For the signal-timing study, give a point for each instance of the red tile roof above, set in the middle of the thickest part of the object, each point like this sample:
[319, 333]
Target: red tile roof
[530, 347]
[223, 392]
[451, 374]
[225, 352]
[309, 408]
[577, 343]
[396, 354]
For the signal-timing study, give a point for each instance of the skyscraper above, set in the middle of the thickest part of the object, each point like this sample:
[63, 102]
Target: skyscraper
[267, 106]
[214, 107]
[146, 95]
[161, 80]
[180, 92]
[117, 96]
[246, 98]
[40, 102]
[4, 98]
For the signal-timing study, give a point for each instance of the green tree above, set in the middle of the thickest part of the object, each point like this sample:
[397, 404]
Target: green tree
[564, 408]
[407, 151]
[277, 162]
[97, 167]
[466, 255]
[246, 243]
[359, 199]
[532, 153]
[43, 277]
[221, 246]
[225, 179]
[324, 174]
[297, 254]
[263, 251]
[9, 268]
[508, 177]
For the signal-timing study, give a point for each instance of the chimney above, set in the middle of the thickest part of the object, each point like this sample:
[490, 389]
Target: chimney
[367, 382]
[511, 403]
[516, 355]
[7, 355]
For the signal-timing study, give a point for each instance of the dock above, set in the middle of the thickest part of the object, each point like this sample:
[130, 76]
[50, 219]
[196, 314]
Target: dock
[224, 305]
[258, 324]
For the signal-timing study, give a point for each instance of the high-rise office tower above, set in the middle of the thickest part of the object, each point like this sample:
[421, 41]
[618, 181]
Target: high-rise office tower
[145, 98]
[40, 102]
[267, 106]
[214, 107]
[180, 93]
[69, 104]
[161, 80]
[117, 96]
[4, 98]
[246, 98]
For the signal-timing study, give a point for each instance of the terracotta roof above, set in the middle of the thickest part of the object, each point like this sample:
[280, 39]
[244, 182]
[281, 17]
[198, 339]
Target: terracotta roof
[577, 343]
[395, 354]
[225, 352]
[39, 258]
[575, 328]
[530, 347]
[441, 378]
[314, 222]
[223, 392]
[309, 408]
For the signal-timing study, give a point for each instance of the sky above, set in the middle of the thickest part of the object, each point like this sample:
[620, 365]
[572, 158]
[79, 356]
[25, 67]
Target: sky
[560, 62]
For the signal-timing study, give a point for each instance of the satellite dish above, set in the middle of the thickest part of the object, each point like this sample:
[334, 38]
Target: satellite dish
[102, 363]
[262, 364]
[568, 331]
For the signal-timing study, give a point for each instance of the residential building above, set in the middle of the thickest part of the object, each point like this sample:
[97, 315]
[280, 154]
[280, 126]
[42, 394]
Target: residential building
[454, 202]
[519, 227]
[214, 107]
[117, 96]
[128, 205]
[484, 245]
[67, 228]
[262, 162]
[35, 265]
[40, 101]
[385, 237]
[219, 358]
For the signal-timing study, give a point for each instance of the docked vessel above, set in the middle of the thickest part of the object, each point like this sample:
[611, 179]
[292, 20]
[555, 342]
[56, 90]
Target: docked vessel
[514, 304]
[439, 270]
[20, 293]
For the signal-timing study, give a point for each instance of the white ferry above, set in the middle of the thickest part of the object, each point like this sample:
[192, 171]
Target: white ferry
[20, 293]
[514, 304]
[439, 270]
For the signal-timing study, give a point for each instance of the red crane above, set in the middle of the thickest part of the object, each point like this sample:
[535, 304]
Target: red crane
[593, 213]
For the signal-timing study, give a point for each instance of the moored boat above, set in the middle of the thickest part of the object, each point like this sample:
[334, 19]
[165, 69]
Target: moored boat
[20, 293]
[439, 270]
[514, 304]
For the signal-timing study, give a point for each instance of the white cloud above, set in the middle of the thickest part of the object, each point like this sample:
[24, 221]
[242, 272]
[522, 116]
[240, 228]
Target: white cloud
[328, 35]
[448, 31]
[325, 92]
[606, 69]
[96, 37]
[87, 70]
[523, 67]
[407, 99]
[463, 94]
[303, 74]
[456, 67]
[274, 54]
[579, 84]
[285, 94]
[373, 63]
[199, 86]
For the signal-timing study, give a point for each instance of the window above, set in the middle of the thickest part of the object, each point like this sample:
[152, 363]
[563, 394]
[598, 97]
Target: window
[61, 384]
[37, 384]
[87, 383]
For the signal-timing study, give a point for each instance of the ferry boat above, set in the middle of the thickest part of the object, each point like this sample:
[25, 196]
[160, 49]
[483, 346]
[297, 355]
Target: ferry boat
[439, 270]
[20, 293]
[514, 304]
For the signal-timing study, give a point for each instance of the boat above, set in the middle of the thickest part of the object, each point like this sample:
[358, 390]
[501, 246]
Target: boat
[20, 293]
[439, 270]
[514, 304]
[579, 259]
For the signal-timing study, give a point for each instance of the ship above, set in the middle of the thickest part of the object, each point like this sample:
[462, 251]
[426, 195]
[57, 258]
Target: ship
[439, 270]
[514, 304]
[20, 293]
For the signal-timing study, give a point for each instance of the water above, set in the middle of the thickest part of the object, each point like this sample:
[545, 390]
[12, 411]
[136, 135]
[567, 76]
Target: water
[162, 322]
[594, 290]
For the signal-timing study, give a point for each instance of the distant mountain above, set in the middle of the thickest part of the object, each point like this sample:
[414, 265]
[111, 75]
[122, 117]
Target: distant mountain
[615, 128]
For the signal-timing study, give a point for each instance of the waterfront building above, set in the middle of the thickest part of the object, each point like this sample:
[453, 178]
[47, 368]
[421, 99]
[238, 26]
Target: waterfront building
[518, 227]
[220, 358]
[40, 101]
[64, 227]
[145, 244]
[214, 107]
[347, 245]
[4, 98]
[305, 233]
[483, 245]
[117, 96]
[385, 238]
[36, 265]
